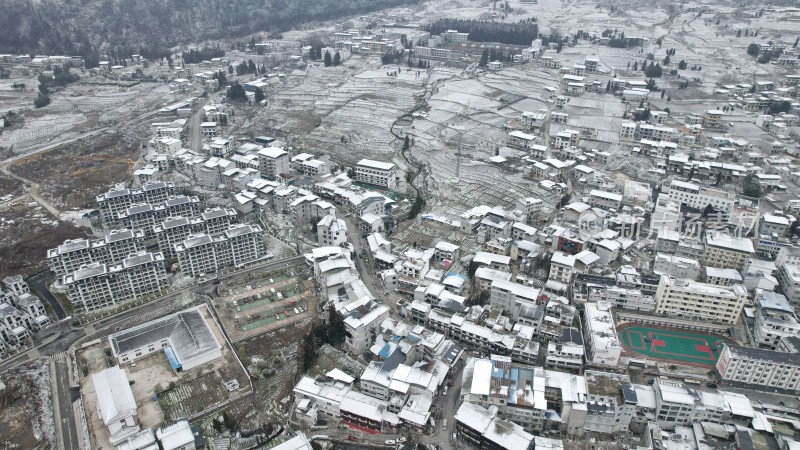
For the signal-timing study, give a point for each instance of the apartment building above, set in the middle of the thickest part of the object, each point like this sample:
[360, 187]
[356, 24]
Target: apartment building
[116, 201]
[699, 301]
[201, 254]
[98, 285]
[567, 352]
[605, 200]
[483, 428]
[512, 296]
[775, 319]
[675, 404]
[600, 335]
[175, 229]
[331, 231]
[698, 197]
[376, 173]
[665, 264]
[756, 368]
[273, 161]
[145, 216]
[789, 279]
[609, 406]
[114, 247]
[727, 252]
[562, 267]
[518, 392]
[362, 322]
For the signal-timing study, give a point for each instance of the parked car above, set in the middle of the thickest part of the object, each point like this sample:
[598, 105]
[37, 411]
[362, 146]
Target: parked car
[390, 442]
[352, 438]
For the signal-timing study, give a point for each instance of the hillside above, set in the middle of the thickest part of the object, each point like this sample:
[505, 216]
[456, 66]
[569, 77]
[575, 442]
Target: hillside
[148, 27]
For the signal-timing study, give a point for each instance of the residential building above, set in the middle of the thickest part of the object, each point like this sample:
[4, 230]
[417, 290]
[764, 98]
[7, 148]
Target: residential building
[600, 335]
[481, 427]
[331, 231]
[775, 319]
[273, 161]
[789, 279]
[97, 285]
[699, 197]
[727, 252]
[376, 173]
[117, 245]
[609, 406]
[518, 392]
[362, 322]
[116, 201]
[566, 353]
[755, 368]
[201, 254]
[699, 301]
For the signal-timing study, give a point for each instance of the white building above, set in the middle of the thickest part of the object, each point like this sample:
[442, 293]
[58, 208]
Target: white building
[698, 197]
[602, 342]
[331, 231]
[273, 161]
[774, 370]
[775, 319]
[376, 173]
[115, 403]
[185, 338]
[239, 245]
[96, 285]
[699, 301]
[679, 267]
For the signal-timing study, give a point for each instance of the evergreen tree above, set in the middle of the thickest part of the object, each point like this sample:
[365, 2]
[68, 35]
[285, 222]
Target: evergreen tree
[484, 58]
[337, 58]
[666, 60]
[328, 61]
[796, 41]
[682, 65]
[259, 95]
[236, 92]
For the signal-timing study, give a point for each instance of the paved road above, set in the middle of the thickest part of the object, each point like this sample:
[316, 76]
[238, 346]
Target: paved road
[40, 284]
[69, 429]
[197, 132]
[364, 266]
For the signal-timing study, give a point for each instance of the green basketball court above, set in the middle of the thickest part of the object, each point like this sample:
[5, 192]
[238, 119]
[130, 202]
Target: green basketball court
[673, 345]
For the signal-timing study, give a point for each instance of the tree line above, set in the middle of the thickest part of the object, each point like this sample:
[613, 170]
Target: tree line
[204, 54]
[120, 28]
[519, 33]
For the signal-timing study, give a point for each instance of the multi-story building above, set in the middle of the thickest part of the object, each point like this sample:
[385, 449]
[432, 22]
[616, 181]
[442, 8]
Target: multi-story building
[699, 301]
[331, 231]
[518, 392]
[201, 254]
[789, 279]
[482, 428]
[675, 404]
[273, 161]
[511, 296]
[97, 285]
[775, 319]
[116, 201]
[698, 197]
[773, 370]
[362, 322]
[567, 352]
[602, 342]
[117, 245]
[376, 173]
[145, 215]
[727, 252]
[562, 266]
[676, 266]
[605, 200]
[608, 408]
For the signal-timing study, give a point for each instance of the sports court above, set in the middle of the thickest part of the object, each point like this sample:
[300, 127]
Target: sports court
[673, 345]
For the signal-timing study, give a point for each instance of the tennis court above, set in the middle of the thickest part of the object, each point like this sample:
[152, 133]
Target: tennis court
[673, 345]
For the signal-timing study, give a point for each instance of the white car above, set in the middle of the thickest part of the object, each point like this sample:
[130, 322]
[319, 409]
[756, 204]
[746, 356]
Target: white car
[400, 440]
[390, 442]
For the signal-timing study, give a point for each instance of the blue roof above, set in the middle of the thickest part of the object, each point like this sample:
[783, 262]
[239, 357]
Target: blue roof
[173, 360]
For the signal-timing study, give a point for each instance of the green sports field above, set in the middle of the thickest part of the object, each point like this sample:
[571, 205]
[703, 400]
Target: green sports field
[673, 345]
